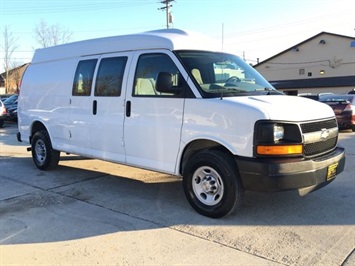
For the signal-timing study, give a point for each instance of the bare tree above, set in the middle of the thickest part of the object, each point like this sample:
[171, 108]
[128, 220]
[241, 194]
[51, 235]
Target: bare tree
[9, 47]
[15, 75]
[50, 35]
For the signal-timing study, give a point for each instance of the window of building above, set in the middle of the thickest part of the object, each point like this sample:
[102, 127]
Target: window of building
[301, 71]
[83, 77]
[110, 76]
[309, 74]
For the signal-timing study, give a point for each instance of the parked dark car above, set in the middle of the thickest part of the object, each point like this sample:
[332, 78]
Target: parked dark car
[12, 100]
[315, 97]
[3, 113]
[3, 97]
[344, 109]
[11, 106]
[310, 96]
[12, 113]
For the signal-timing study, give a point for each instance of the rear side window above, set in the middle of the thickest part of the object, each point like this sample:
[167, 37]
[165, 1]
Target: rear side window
[83, 77]
[109, 76]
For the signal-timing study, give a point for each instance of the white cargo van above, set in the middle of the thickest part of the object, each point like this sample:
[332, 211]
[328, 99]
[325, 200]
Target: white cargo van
[167, 101]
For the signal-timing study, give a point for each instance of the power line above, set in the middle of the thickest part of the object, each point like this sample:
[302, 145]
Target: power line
[68, 6]
[297, 23]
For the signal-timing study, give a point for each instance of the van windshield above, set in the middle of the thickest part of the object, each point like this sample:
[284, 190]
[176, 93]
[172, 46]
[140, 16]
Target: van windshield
[223, 75]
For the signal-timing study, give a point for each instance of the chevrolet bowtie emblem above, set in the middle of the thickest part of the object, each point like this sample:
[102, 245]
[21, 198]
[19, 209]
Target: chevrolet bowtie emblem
[324, 134]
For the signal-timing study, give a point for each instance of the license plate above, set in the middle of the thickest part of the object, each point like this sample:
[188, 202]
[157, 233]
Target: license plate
[332, 171]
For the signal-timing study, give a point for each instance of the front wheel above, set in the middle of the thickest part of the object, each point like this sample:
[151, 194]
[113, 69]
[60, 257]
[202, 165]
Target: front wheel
[43, 154]
[212, 184]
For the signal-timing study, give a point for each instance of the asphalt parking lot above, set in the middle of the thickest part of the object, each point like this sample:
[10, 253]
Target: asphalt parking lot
[90, 212]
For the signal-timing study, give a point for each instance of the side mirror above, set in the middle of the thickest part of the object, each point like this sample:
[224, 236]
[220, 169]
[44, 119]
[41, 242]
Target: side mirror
[165, 83]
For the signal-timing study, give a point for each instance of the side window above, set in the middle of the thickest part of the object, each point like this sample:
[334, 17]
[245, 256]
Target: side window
[148, 68]
[83, 77]
[109, 76]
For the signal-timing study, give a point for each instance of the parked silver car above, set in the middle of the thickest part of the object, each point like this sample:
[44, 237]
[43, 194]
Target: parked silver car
[3, 113]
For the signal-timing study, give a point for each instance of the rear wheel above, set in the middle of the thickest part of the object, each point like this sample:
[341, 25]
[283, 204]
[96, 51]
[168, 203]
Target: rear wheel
[43, 155]
[212, 184]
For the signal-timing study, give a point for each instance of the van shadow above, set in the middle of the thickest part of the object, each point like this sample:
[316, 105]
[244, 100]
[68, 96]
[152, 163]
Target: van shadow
[73, 202]
[8, 133]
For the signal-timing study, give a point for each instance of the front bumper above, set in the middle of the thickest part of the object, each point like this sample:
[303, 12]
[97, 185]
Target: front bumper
[269, 175]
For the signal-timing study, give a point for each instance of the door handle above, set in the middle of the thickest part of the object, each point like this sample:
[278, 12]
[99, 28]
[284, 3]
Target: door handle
[94, 107]
[128, 108]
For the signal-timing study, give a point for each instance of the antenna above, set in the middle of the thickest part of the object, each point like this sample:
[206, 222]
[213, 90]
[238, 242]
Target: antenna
[222, 36]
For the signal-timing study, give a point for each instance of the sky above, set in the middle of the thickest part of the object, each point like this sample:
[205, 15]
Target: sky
[251, 29]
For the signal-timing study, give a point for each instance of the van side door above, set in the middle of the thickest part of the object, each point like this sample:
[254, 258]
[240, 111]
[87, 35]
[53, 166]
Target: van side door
[97, 106]
[153, 120]
[108, 107]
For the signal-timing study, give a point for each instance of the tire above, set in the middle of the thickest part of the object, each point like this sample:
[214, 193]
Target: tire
[212, 185]
[43, 155]
[1, 123]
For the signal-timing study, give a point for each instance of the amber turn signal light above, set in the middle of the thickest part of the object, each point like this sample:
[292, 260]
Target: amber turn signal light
[280, 150]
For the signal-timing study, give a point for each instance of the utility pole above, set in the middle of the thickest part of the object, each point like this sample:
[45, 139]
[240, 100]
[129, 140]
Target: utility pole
[168, 13]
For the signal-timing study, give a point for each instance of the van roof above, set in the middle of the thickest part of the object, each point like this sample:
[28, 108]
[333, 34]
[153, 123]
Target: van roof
[170, 39]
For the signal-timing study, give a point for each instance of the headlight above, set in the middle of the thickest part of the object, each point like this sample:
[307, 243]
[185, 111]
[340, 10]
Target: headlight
[278, 132]
[277, 139]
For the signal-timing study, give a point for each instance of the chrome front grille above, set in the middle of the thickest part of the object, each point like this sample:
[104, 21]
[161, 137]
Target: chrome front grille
[320, 147]
[319, 137]
[319, 125]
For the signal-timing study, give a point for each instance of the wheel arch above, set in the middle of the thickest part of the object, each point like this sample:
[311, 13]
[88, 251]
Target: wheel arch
[37, 126]
[196, 146]
[211, 182]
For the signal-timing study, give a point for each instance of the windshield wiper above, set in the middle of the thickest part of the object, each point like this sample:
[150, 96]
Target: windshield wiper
[269, 91]
[234, 89]
[264, 89]
[218, 88]
[230, 89]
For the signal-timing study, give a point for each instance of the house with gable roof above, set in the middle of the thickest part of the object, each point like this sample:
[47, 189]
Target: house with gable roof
[14, 77]
[320, 64]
